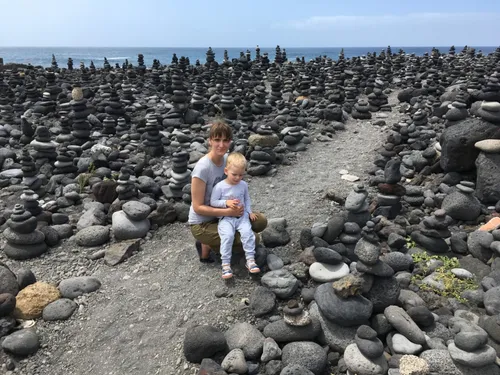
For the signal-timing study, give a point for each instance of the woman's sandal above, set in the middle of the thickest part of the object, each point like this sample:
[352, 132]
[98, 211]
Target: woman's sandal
[203, 260]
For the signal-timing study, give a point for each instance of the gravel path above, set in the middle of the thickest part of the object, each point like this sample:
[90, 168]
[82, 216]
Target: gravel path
[135, 323]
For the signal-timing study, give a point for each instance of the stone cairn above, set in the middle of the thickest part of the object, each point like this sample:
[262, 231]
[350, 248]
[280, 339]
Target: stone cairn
[198, 100]
[390, 191]
[45, 148]
[227, 103]
[132, 221]
[109, 126]
[24, 241]
[65, 135]
[122, 128]
[357, 205]
[151, 138]
[29, 168]
[294, 133]
[30, 199]
[180, 175]
[81, 127]
[361, 110]
[126, 188]
[180, 101]
[27, 130]
[65, 161]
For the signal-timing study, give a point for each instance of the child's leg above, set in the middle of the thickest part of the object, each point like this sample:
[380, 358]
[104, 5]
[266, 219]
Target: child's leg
[226, 233]
[247, 237]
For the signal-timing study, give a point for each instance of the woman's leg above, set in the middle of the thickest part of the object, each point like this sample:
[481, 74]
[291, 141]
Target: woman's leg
[207, 234]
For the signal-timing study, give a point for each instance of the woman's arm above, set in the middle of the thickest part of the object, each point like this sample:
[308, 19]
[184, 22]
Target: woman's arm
[198, 188]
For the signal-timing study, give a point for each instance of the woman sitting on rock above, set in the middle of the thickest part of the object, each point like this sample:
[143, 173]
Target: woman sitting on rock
[209, 170]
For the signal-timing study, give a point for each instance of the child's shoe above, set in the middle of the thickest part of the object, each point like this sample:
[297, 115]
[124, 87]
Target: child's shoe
[252, 266]
[227, 272]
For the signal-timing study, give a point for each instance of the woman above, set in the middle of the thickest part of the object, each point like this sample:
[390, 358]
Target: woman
[209, 170]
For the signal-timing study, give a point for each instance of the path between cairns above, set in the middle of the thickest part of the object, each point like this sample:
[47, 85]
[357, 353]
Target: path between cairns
[135, 323]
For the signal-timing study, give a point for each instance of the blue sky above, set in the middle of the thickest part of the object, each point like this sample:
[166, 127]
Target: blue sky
[246, 23]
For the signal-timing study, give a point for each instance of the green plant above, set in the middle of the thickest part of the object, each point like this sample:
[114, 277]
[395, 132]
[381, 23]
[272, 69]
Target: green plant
[410, 243]
[453, 287]
[83, 178]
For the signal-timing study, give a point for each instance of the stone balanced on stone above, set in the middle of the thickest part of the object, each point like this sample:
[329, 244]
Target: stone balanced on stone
[24, 241]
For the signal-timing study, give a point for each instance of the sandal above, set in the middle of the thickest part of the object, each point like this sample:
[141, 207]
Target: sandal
[252, 266]
[227, 272]
[210, 259]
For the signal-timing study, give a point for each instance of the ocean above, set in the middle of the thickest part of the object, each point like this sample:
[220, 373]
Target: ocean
[43, 55]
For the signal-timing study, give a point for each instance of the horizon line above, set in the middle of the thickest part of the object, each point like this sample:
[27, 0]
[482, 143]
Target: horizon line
[389, 45]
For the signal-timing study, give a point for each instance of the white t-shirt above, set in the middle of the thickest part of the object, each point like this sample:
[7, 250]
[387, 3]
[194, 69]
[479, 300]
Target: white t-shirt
[211, 174]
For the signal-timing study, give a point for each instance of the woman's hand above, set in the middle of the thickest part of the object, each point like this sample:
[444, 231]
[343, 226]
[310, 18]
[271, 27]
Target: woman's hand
[235, 212]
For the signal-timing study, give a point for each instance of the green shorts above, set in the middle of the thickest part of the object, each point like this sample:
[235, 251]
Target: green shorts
[207, 232]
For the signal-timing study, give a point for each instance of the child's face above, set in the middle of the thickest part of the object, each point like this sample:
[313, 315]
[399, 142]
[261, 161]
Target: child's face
[234, 174]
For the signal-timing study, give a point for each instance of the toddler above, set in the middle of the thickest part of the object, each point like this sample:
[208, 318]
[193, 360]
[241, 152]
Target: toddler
[233, 192]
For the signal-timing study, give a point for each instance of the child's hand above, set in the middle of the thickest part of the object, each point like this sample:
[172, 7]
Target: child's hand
[233, 203]
[253, 217]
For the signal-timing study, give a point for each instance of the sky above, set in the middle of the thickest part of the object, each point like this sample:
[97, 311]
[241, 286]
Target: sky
[246, 23]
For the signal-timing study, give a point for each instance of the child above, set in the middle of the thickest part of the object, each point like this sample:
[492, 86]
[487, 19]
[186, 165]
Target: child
[233, 192]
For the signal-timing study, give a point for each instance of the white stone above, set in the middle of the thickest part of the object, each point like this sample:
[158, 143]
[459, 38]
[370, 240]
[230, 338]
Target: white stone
[323, 273]
[488, 145]
[350, 177]
[401, 345]
[491, 106]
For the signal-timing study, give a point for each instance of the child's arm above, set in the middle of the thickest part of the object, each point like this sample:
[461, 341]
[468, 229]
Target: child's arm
[216, 198]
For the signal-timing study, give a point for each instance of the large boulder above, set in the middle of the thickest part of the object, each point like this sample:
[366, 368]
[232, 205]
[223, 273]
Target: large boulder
[458, 153]
[488, 177]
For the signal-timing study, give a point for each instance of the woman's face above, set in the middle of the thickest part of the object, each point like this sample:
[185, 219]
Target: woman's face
[219, 145]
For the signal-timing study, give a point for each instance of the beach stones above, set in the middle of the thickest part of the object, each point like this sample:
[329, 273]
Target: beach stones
[126, 227]
[22, 343]
[322, 272]
[81, 127]
[151, 139]
[357, 363]
[462, 204]
[203, 342]
[488, 171]
[458, 153]
[45, 148]
[350, 311]
[180, 175]
[24, 241]
[281, 282]
[126, 188]
[490, 111]
[357, 205]
[361, 110]
[305, 353]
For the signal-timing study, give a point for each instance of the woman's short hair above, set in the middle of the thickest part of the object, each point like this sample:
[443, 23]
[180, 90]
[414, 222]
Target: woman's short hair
[220, 129]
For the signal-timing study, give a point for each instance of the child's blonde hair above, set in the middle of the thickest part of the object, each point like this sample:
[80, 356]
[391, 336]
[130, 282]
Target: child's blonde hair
[236, 159]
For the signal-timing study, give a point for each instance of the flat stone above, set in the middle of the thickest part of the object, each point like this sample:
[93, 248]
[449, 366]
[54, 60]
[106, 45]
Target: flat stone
[22, 343]
[322, 273]
[488, 145]
[120, 251]
[61, 309]
[77, 286]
